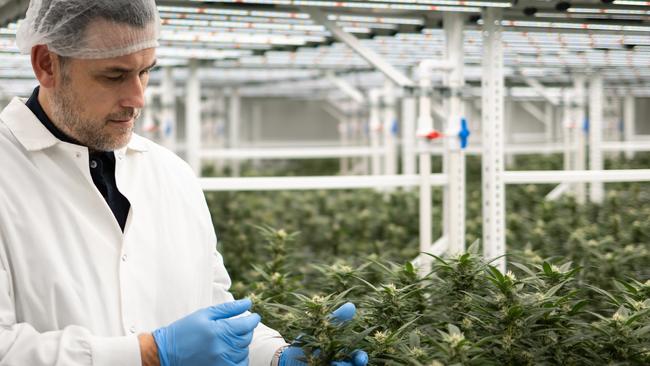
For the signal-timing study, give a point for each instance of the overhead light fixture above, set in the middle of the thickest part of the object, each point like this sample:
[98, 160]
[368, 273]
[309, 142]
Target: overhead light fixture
[631, 2]
[609, 11]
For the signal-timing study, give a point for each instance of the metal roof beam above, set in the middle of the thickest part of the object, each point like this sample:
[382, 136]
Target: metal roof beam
[541, 90]
[369, 55]
[346, 88]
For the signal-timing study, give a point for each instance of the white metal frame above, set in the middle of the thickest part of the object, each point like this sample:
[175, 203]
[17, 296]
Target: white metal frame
[494, 245]
[596, 101]
[193, 117]
[319, 182]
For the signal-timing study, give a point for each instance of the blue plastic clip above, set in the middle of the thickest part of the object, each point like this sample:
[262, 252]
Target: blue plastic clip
[394, 128]
[168, 128]
[585, 125]
[464, 133]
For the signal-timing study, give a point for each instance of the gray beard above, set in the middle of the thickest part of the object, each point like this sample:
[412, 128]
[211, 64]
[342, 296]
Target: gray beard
[87, 132]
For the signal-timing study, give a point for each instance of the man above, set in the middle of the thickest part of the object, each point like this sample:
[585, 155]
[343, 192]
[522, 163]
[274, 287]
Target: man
[107, 250]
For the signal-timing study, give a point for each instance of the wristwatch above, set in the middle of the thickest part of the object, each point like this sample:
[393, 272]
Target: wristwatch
[276, 356]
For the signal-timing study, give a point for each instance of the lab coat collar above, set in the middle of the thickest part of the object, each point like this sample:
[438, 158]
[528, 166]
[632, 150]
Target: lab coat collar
[31, 133]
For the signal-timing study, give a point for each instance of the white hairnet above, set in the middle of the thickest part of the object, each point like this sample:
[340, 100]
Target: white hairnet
[90, 29]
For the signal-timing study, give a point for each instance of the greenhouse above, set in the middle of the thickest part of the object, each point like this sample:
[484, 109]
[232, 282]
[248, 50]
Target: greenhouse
[316, 182]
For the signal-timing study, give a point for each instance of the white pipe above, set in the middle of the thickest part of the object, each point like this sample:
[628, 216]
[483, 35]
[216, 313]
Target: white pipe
[629, 128]
[575, 176]
[596, 104]
[375, 131]
[193, 117]
[320, 182]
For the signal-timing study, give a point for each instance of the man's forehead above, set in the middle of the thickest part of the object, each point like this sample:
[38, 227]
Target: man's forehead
[131, 62]
[105, 35]
[142, 59]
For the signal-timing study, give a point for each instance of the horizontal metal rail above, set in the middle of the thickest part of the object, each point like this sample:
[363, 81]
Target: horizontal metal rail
[317, 182]
[626, 146]
[576, 176]
[289, 153]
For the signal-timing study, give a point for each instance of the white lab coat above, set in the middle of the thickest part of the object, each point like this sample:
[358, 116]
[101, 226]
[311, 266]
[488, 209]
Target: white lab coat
[74, 289]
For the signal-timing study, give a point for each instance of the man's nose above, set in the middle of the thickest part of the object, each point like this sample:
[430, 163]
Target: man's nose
[133, 93]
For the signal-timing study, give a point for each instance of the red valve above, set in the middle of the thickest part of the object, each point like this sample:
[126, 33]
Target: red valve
[433, 135]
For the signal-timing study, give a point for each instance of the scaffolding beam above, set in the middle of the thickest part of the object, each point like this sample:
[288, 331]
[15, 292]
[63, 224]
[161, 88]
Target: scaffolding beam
[494, 245]
[596, 105]
[575, 176]
[454, 159]
[629, 122]
[373, 58]
[347, 88]
[408, 135]
[234, 121]
[320, 182]
[580, 120]
[193, 117]
[168, 101]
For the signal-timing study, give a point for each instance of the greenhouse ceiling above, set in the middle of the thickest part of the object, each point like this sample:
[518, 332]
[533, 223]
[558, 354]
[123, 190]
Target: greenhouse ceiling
[257, 41]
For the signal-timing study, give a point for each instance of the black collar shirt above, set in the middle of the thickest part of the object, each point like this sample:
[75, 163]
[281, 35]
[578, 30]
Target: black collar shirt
[101, 165]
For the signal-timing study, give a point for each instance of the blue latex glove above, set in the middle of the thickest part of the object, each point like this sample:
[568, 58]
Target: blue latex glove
[208, 337]
[294, 355]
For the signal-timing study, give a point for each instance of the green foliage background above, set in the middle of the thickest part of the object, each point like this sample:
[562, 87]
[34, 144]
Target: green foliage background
[577, 294]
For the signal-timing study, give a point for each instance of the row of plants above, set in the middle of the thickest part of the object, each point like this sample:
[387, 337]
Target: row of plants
[577, 290]
[463, 312]
[348, 224]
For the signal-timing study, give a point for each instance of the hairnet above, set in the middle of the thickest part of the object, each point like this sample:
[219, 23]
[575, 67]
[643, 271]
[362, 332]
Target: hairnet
[90, 29]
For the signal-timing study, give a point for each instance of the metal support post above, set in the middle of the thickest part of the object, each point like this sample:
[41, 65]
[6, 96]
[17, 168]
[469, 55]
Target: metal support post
[629, 117]
[390, 129]
[596, 104]
[193, 118]
[168, 100]
[567, 127]
[375, 131]
[234, 120]
[408, 135]
[454, 198]
[343, 127]
[220, 127]
[508, 123]
[549, 121]
[494, 241]
[148, 125]
[580, 121]
[425, 125]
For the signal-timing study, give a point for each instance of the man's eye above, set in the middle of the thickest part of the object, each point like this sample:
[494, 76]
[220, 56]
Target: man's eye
[145, 72]
[115, 78]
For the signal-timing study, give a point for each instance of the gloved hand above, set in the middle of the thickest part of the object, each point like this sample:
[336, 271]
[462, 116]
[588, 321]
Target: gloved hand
[294, 355]
[208, 337]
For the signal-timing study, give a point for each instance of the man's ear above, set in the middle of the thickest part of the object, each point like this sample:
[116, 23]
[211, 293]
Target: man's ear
[43, 63]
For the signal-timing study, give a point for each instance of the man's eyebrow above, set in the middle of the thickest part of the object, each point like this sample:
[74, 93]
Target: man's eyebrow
[153, 64]
[118, 69]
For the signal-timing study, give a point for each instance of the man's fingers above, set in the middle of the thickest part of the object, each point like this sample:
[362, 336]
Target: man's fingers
[237, 356]
[229, 309]
[241, 341]
[243, 325]
[360, 358]
[344, 313]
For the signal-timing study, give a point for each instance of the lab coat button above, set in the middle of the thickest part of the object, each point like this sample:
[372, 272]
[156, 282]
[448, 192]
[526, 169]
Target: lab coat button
[132, 330]
[78, 155]
[124, 257]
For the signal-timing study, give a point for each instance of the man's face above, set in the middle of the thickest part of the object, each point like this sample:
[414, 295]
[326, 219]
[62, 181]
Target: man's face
[97, 102]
